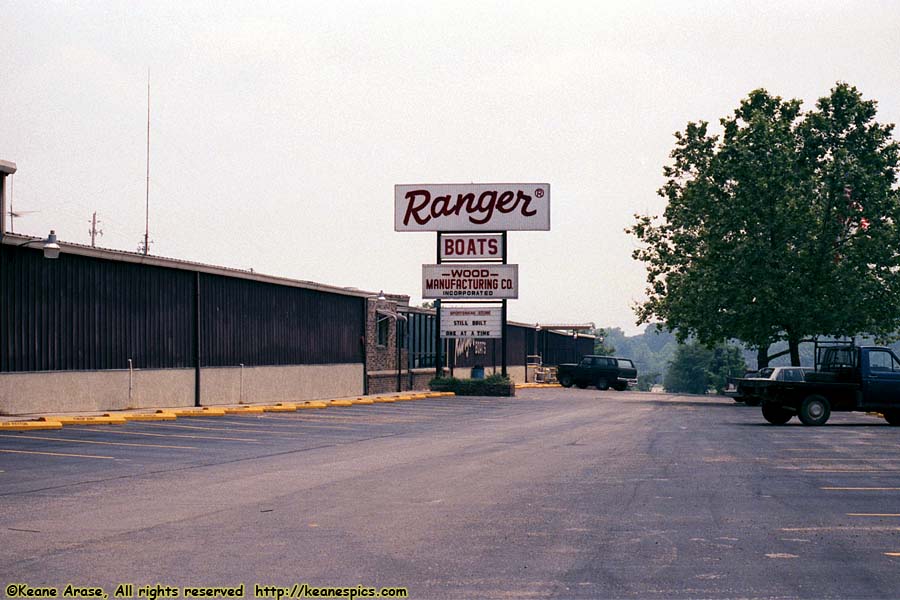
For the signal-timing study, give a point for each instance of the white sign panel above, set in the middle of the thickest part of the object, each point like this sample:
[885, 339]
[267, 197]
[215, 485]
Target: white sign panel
[471, 247]
[464, 281]
[471, 322]
[472, 207]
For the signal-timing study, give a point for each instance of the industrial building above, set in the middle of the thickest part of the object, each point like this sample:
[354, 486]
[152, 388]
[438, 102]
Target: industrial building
[100, 329]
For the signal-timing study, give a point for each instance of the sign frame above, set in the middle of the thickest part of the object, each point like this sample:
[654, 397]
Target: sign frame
[471, 322]
[495, 281]
[480, 247]
[460, 207]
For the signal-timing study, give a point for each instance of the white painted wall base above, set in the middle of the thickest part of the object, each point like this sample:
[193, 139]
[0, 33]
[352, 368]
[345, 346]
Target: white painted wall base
[83, 391]
[293, 383]
[516, 374]
[77, 391]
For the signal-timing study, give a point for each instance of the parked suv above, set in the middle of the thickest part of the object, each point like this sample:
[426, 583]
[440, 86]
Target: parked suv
[603, 372]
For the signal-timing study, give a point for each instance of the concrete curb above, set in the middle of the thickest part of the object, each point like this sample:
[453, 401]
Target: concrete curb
[171, 414]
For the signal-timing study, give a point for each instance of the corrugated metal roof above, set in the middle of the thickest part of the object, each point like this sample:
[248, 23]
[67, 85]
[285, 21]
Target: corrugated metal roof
[16, 239]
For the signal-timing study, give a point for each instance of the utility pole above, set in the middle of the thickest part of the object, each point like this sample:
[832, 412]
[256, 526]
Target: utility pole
[94, 231]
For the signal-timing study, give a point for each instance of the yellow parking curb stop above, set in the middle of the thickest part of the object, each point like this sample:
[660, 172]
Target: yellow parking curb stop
[197, 412]
[29, 425]
[157, 416]
[280, 407]
[312, 404]
[244, 410]
[85, 420]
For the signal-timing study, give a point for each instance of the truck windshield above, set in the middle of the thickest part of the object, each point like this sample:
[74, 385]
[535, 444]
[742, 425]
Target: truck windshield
[624, 363]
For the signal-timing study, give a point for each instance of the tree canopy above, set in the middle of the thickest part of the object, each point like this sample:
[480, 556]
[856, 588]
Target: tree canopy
[784, 226]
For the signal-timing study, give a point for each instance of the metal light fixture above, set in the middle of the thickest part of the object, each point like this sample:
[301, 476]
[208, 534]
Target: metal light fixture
[50, 245]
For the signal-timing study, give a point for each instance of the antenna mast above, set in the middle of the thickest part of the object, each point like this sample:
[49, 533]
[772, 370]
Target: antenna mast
[147, 211]
[12, 215]
[94, 231]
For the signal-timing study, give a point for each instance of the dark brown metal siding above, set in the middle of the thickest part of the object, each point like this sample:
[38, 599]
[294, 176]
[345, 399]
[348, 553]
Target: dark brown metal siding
[515, 346]
[557, 348]
[516, 350]
[255, 323]
[80, 313]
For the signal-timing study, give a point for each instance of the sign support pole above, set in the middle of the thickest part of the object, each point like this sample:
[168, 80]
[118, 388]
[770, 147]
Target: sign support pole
[438, 370]
[503, 321]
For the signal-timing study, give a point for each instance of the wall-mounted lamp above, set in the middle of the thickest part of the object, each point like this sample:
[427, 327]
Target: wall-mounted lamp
[50, 246]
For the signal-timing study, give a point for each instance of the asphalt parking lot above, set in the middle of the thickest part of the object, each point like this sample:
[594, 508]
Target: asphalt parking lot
[554, 493]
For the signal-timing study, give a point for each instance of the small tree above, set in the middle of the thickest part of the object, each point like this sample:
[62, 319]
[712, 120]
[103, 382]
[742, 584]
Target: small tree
[601, 344]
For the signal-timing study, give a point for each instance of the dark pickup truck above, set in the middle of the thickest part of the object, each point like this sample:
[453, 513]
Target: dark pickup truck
[603, 372]
[847, 378]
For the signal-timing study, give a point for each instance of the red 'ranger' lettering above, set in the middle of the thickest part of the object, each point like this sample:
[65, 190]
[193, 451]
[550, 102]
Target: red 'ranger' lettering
[422, 207]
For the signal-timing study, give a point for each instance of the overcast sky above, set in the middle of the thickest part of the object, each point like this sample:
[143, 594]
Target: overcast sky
[278, 129]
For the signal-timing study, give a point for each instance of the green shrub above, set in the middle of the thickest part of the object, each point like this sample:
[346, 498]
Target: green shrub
[493, 385]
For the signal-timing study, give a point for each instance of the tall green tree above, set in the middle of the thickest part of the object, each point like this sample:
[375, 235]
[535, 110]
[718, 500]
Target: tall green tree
[786, 226]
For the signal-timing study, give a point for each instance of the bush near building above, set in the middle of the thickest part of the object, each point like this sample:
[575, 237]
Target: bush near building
[492, 385]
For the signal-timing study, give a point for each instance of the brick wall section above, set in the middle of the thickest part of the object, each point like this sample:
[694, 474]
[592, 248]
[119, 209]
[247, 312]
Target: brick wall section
[381, 361]
[385, 382]
[382, 358]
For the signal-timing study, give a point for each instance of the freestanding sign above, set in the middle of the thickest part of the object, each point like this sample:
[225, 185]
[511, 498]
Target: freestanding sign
[460, 281]
[472, 207]
[471, 322]
[471, 221]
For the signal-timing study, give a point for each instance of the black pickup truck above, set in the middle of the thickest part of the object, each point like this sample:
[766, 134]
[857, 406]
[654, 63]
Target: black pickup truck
[603, 372]
[847, 378]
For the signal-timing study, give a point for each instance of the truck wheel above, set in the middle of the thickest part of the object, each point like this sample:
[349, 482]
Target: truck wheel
[620, 386]
[815, 410]
[892, 417]
[601, 383]
[775, 414]
[565, 380]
